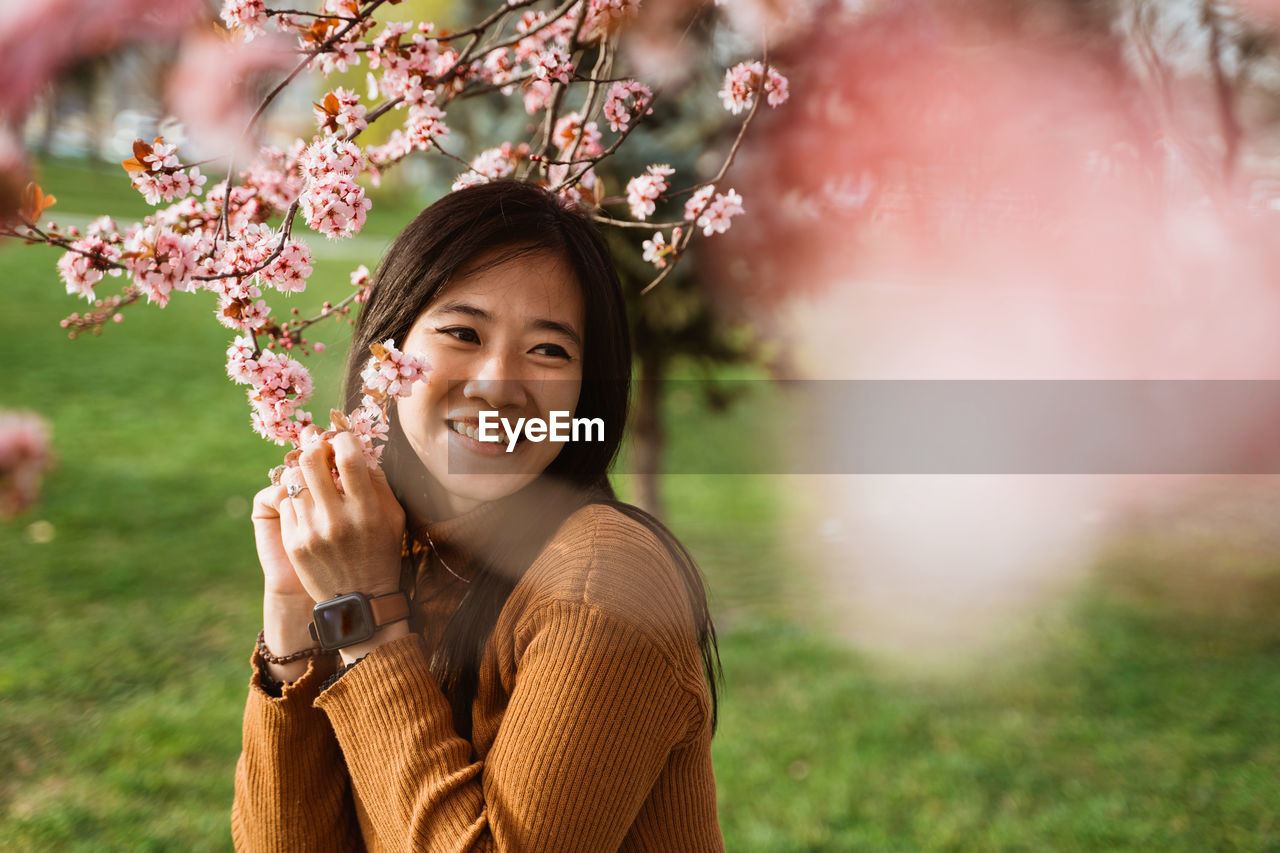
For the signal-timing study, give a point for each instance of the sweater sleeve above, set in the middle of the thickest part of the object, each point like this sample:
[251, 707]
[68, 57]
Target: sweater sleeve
[595, 711]
[292, 789]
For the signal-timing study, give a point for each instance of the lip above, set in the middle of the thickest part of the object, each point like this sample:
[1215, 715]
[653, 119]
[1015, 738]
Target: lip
[480, 448]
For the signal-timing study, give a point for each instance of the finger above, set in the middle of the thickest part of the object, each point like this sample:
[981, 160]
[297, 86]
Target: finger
[390, 503]
[309, 436]
[266, 503]
[302, 504]
[350, 460]
[315, 463]
[288, 514]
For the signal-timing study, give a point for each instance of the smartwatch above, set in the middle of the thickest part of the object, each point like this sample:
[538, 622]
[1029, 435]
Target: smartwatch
[355, 617]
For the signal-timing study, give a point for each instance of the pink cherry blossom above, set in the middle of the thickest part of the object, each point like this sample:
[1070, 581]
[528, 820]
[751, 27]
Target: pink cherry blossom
[396, 148]
[625, 99]
[80, 272]
[274, 176]
[160, 262]
[390, 372]
[468, 179]
[742, 81]
[498, 67]
[368, 425]
[240, 364]
[101, 227]
[697, 203]
[644, 190]
[657, 251]
[424, 123]
[569, 128]
[604, 17]
[537, 96]
[247, 17]
[584, 193]
[715, 219]
[360, 276]
[240, 309]
[330, 156]
[552, 64]
[288, 273]
[167, 186]
[360, 280]
[279, 385]
[335, 205]
[383, 53]
[340, 112]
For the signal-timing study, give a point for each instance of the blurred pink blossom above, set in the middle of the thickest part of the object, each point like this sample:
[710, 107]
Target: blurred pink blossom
[210, 89]
[40, 38]
[24, 459]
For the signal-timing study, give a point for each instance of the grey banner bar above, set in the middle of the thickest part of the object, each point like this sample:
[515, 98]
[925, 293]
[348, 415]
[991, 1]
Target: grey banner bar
[1217, 427]
[980, 427]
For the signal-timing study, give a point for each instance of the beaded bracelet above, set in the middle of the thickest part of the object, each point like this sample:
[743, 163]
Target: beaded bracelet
[266, 655]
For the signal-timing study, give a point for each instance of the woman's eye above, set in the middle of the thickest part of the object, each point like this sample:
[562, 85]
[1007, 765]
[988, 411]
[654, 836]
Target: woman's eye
[462, 333]
[552, 350]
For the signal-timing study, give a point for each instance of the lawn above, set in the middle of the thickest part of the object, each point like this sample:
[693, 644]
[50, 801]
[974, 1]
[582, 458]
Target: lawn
[131, 598]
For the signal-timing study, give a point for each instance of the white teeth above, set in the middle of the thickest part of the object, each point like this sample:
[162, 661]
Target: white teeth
[469, 431]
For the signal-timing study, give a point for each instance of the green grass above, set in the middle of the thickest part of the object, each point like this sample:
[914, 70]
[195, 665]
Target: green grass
[1145, 725]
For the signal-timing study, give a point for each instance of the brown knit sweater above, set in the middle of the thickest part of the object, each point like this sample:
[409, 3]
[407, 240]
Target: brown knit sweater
[591, 724]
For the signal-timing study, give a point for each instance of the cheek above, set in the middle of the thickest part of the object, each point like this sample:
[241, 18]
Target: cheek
[425, 404]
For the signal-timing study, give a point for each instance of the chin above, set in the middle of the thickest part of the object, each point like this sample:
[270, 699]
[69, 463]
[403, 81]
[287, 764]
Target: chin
[483, 488]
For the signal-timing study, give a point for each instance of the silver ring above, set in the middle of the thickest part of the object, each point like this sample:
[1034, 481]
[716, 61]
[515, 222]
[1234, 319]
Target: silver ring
[294, 489]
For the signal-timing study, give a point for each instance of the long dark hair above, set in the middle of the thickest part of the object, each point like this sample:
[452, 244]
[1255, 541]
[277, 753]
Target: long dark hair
[511, 218]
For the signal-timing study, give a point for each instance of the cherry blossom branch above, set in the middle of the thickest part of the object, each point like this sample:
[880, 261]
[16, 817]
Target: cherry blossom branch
[328, 310]
[286, 231]
[558, 88]
[275, 92]
[555, 15]
[436, 144]
[509, 6]
[605, 219]
[271, 13]
[104, 310]
[319, 177]
[59, 241]
[588, 104]
[686, 237]
[737, 142]
[614, 146]
[376, 113]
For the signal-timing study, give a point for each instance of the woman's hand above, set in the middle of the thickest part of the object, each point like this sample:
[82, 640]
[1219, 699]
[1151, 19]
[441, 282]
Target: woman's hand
[278, 573]
[286, 605]
[340, 542]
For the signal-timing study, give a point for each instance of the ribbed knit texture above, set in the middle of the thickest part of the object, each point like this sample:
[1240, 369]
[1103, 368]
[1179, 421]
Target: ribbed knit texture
[591, 725]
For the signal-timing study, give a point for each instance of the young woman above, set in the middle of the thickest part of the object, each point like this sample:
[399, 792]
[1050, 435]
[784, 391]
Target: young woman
[553, 687]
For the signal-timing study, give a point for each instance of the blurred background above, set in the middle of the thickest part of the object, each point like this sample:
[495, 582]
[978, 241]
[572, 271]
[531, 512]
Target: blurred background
[989, 189]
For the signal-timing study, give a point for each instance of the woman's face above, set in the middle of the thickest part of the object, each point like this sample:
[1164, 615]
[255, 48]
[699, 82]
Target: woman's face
[507, 338]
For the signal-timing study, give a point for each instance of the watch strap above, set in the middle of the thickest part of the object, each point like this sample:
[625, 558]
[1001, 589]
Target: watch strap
[389, 608]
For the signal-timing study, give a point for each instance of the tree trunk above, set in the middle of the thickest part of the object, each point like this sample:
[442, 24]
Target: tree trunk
[648, 430]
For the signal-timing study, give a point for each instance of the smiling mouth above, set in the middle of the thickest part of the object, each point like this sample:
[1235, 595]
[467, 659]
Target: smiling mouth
[472, 431]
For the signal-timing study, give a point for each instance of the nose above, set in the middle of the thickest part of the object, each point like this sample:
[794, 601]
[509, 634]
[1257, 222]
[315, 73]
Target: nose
[497, 382]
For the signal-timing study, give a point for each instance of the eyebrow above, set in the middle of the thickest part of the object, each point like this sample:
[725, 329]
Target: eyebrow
[538, 323]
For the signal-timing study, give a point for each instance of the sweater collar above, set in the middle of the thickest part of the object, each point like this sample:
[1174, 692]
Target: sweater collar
[457, 540]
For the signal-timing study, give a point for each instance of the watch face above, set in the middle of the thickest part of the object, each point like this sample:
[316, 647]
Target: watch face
[343, 621]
